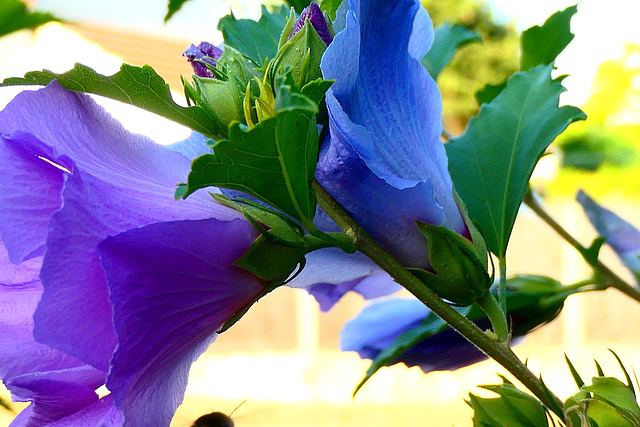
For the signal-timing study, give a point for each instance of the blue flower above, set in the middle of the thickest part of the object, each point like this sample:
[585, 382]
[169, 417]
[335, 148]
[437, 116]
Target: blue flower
[383, 160]
[623, 237]
[104, 277]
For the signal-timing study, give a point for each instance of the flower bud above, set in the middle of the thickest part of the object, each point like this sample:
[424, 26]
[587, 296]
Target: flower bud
[203, 52]
[317, 19]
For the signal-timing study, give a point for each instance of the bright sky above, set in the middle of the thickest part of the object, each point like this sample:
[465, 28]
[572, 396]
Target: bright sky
[601, 27]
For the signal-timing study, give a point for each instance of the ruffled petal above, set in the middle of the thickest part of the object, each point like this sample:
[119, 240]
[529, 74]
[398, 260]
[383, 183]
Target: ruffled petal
[114, 181]
[370, 287]
[623, 237]
[172, 286]
[383, 159]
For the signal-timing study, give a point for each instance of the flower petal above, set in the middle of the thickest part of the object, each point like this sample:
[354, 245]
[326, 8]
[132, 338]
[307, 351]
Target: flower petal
[115, 181]
[383, 159]
[623, 237]
[101, 413]
[374, 286]
[172, 285]
[30, 192]
[381, 322]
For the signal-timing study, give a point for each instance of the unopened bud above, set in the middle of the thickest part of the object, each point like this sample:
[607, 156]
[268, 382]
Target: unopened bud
[205, 52]
[317, 19]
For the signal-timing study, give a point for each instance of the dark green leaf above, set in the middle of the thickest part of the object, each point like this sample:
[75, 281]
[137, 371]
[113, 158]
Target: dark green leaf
[624, 370]
[492, 161]
[173, 7]
[330, 7]
[447, 39]
[139, 86]
[257, 40]
[15, 16]
[541, 45]
[617, 395]
[273, 161]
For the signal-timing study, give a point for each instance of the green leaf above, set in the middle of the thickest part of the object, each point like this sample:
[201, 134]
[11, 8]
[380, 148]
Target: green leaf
[138, 86]
[492, 161]
[447, 39]
[256, 40]
[173, 7]
[541, 45]
[270, 260]
[574, 372]
[429, 327]
[15, 16]
[330, 7]
[514, 408]
[273, 161]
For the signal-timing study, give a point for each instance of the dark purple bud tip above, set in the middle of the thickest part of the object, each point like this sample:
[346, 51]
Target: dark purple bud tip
[204, 52]
[315, 16]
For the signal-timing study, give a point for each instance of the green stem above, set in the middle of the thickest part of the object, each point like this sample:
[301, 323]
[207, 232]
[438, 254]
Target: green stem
[502, 286]
[498, 351]
[495, 313]
[611, 279]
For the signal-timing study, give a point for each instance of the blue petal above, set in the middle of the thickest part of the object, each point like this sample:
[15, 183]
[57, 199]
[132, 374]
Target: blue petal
[383, 159]
[623, 237]
[370, 287]
[382, 322]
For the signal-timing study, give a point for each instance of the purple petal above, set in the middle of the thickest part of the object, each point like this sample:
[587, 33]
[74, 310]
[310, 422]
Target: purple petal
[370, 287]
[102, 413]
[118, 181]
[317, 19]
[30, 192]
[623, 237]
[383, 159]
[173, 285]
[192, 147]
[204, 52]
[56, 383]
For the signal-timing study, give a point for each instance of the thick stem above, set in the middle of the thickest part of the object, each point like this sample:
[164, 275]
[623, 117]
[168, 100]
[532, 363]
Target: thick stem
[612, 280]
[500, 352]
[495, 313]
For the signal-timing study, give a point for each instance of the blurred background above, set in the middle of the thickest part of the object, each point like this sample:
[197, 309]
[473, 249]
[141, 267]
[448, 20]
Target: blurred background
[283, 358]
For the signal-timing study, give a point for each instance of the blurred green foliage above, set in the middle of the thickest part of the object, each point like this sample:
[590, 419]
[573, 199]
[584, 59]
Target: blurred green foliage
[603, 153]
[476, 64]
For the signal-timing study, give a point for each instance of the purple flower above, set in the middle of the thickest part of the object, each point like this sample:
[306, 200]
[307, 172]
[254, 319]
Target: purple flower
[206, 52]
[105, 278]
[314, 15]
[383, 159]
[623, 237]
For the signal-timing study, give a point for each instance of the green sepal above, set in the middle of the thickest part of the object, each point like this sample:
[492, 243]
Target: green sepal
[273, 161]
[288, 27]
[223, 99]
[514, 408]
[257, 40]
[446, 41]
[271, 261]
[607, 402]
[302, 55]
[460, 275]
[542, 45]
[298, 5]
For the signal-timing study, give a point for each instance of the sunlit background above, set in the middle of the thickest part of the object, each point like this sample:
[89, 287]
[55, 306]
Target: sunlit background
[283, 357]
